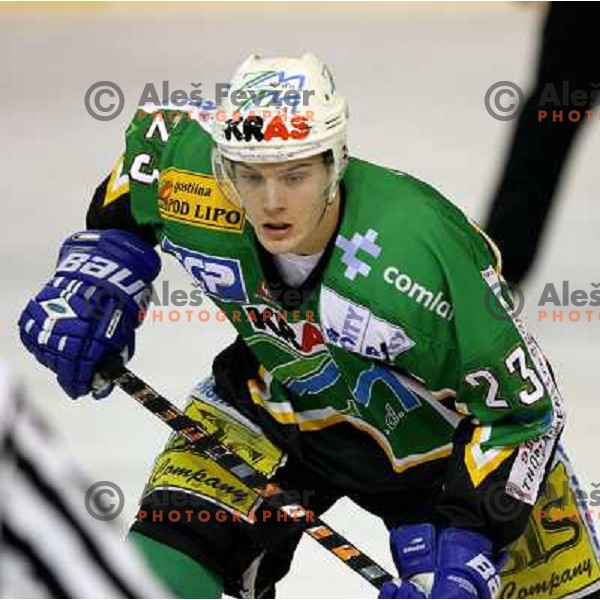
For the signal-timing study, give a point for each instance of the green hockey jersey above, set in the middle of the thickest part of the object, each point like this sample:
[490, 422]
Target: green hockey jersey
[401, 357]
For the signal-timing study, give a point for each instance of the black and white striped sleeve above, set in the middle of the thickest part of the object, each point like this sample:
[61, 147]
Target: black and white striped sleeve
[50, 547]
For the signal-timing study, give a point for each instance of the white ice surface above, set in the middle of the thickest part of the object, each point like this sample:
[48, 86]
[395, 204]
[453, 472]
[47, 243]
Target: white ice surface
[415, 77]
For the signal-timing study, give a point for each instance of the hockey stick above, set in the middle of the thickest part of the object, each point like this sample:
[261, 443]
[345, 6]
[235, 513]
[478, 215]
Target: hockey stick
[193, 431]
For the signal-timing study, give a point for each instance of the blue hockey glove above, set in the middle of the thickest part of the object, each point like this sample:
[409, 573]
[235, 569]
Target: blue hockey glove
[413, 549]
[466, 566]
[91, 307]
[459, 564]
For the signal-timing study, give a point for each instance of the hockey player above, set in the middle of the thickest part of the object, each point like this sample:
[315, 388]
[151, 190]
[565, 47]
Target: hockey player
[345, 281]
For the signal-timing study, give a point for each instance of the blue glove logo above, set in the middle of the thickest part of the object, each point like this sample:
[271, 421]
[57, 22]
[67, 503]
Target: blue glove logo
[58, 309]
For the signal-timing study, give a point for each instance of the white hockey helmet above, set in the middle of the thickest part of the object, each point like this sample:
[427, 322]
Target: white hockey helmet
[264, 122]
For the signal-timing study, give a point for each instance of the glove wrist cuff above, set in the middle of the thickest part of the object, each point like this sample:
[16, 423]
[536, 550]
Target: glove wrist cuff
[467, 557]
[413, 549]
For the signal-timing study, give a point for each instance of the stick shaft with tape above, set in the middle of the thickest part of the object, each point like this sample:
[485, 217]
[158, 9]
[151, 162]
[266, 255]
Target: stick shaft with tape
[211, 447]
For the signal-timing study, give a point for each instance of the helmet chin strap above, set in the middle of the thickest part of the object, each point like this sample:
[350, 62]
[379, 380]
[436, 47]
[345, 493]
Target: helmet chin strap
[328, 203]
[329, 200]
[329, 197]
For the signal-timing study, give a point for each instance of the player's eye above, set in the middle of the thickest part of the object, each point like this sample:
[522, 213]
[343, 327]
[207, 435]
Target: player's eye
[295, 178]
[250, 178]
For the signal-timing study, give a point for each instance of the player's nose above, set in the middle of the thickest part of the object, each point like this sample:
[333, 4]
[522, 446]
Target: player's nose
[274, 197]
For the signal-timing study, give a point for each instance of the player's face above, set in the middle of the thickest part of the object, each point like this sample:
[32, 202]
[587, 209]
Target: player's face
[286, 203]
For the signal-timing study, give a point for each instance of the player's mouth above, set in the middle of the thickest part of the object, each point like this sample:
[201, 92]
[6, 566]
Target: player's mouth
[276, 231]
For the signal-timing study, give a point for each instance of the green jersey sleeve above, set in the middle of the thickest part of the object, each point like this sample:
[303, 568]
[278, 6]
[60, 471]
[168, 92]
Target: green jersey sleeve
[506, 392]
[129, 197]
